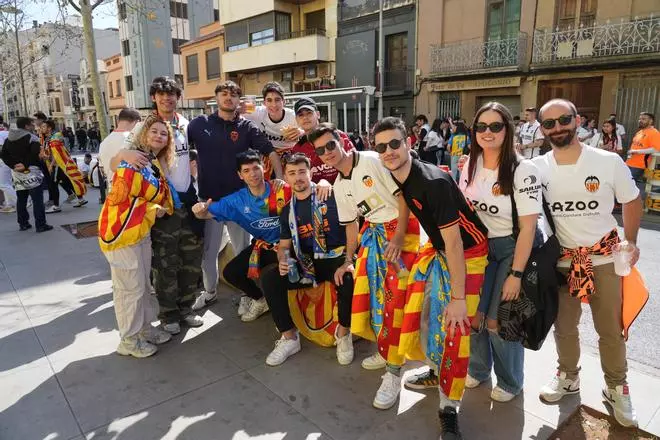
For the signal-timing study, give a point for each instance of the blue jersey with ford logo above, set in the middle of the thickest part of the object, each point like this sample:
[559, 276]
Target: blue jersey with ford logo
[258, 215]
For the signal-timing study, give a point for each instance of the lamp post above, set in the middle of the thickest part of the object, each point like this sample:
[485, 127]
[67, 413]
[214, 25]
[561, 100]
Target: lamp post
[381, 51]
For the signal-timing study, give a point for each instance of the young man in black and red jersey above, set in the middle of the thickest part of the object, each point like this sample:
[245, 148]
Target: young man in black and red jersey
[458, 244]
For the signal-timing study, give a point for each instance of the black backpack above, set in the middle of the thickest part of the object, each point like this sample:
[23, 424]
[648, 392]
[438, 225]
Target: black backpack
[529, 318]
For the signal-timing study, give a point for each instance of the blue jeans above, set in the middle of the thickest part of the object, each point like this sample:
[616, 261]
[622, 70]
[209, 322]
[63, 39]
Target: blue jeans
[455, 172]
[38, 208]
[487, 350]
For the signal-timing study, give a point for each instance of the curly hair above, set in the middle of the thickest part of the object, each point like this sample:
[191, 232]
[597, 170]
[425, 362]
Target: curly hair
[140, 140]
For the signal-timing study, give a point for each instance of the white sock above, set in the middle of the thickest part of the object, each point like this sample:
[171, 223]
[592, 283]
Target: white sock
[446, 401]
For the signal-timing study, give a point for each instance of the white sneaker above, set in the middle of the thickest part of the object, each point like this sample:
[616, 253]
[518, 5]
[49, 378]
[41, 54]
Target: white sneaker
[558, 387]
[71, 198]
[283, 349]
[619, 399]
[7, 209]
[257, 308]
[53, 209]
[80, 202]
[499, 395]
[388, 392]
[193, 320]
[204, 299]
[471, 382]
[374, 362]
[344, 345]
[136, 347]
[154, 335]
[173, 328]
[244, 305]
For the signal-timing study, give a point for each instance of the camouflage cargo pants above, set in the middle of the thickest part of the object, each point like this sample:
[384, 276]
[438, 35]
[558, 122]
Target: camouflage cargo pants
[176, 264]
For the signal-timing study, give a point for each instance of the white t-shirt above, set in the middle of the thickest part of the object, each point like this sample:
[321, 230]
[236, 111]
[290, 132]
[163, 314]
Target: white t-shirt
[273, 130]
[84, 168]
[581, 196]
[3, 136]
[433, 139]
[493, 208]
[530, 132]
[598, 137]
[620, 129]
[369, 191]
[111, 145]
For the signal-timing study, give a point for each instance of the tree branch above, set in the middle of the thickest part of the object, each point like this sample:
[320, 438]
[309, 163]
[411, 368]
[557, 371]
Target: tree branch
[74, 6]
[98, 2]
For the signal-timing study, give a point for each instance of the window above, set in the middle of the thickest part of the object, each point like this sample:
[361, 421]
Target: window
[122, 10]
[396, 49]
[66, 98]
[282, 24]
[573, 13]
[176, 45]
[237, 47]
[118, 84]
[58, 108]
[287, 75]
[179, 79]
[112, 95]
[178, 9]
[310, 72]
[213, 63]
[262, 37]
[315, 20]
[129, 83]
[90, 96]
[192, 68]
[125, 47]
[115, 61]
[216, 15]
[503, 19]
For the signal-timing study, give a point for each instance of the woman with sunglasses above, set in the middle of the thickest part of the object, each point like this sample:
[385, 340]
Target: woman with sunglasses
[608, 139]
[136, 198]
[494, 176]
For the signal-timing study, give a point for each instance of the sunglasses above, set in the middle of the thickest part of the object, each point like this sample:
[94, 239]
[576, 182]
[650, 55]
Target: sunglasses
[393, 144]
[495, 127]
[330, 146]
[549, 124]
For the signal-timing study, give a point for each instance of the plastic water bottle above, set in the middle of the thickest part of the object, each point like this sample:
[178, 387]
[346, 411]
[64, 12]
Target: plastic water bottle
[294, 276]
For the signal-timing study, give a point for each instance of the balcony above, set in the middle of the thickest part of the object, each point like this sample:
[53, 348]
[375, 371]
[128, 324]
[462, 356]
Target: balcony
[397, 79]
[477, 56]
[599, 43]
[291, 48]
[350, 9]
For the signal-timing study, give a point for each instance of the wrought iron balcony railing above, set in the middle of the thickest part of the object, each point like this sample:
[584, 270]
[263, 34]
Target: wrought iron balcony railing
[624, 37]
[478, 54]
[349, 9]
[398, 79]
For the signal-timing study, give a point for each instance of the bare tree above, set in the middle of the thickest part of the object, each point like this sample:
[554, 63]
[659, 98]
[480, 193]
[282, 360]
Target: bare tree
[12, 17]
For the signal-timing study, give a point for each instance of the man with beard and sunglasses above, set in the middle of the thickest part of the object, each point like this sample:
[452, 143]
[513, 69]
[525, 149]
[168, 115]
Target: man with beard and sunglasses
[580, 185]
[389, 240]
[457, 250]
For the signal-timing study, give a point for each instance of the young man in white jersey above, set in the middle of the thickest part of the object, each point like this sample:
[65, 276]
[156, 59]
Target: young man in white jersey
[277, 122]
[580, 184]
[531, 136]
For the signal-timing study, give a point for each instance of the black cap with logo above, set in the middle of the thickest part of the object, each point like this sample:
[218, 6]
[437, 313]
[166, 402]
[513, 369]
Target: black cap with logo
[306, 103]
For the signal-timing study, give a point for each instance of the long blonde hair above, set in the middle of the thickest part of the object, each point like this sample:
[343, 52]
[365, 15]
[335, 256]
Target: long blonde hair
[165, 155]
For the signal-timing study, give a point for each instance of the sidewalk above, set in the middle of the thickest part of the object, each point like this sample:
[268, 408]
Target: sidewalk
[60, 378]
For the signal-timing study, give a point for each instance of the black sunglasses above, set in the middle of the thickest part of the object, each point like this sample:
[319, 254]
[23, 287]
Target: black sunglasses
[393, 144]
[495, 127]
[549, 124]
[330, 146]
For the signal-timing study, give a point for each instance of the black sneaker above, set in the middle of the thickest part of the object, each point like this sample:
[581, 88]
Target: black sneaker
[449, 424]
[427, 379]
[44, 228]
[25, 227]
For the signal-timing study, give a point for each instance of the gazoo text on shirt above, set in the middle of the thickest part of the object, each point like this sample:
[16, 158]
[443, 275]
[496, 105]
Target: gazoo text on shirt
[576, 208]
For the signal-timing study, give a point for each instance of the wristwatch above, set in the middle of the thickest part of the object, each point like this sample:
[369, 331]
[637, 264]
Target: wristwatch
[516, 273]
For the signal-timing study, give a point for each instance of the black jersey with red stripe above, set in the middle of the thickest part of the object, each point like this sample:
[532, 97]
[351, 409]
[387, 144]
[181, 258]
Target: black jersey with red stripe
[435, 199]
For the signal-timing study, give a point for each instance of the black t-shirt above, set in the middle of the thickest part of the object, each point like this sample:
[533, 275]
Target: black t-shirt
[335, 234]
[434, 198]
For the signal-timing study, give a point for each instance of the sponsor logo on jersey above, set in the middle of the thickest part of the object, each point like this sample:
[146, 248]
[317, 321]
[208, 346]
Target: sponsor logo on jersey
[417, 204]
[496, 189]
[233, 136]
[368, 181]
[573, 206]
[592, 184]
[529, 180]
[246, 210]
[323, 208]
[280, 203]
[266, 223]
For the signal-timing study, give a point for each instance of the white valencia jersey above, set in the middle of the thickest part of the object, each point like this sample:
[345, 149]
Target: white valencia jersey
[493, 208]
[581, 196]
[368, 191]
[273, 130]
[530, 132]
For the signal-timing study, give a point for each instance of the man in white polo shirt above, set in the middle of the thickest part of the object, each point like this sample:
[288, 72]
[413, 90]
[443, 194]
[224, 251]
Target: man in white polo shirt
[531, 136]
[580, 184]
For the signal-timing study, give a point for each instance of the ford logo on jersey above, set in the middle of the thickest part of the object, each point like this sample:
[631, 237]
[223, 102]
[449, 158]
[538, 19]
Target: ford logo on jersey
[266, 223]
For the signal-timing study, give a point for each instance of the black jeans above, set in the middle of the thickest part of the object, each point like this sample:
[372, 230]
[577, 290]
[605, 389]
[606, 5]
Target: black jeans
[59, 178]
[236, 270]
[278, 300]
[37, 195]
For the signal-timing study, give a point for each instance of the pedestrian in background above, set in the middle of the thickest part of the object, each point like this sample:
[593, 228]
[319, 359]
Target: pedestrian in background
[608, 139]
[458, 145]
[646, 141]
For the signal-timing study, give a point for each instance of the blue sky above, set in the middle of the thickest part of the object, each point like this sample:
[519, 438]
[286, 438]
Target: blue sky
[105, 16]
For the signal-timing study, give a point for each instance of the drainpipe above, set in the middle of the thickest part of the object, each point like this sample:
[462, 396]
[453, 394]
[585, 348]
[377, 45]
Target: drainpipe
[416, 90]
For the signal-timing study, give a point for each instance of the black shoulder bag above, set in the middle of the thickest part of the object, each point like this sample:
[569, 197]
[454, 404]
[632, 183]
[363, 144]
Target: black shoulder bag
[529, 318]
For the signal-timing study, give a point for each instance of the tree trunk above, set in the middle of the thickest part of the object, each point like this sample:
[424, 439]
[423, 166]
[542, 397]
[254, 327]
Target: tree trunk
[88, 33]
[20, 65]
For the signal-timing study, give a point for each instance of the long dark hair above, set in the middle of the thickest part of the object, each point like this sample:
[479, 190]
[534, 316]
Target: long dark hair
[607, 138]
[508, 155]
[437, 126]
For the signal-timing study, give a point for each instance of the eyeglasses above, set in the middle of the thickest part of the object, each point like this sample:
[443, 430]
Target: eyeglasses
[393, 144]
[330, 146]
[549, 124]
[495, 127]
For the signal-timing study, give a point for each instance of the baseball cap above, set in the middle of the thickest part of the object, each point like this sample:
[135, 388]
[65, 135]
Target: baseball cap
[305, 103]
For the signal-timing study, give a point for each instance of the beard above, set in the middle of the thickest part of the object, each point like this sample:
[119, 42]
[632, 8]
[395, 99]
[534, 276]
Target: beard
[300, 186]
[643, 125]
[566, 138]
